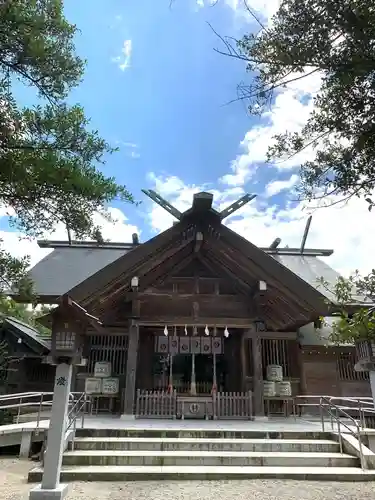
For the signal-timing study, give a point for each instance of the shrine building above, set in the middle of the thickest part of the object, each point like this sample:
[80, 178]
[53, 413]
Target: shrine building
[199, 314]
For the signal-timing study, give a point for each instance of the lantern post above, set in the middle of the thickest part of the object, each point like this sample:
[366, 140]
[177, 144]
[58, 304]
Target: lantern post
[66, 352]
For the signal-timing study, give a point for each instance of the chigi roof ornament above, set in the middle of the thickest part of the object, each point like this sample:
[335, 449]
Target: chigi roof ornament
[202, 202]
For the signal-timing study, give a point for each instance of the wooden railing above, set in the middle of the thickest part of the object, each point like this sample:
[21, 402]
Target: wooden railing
[155, 404]
[222, 405]
[233, 405]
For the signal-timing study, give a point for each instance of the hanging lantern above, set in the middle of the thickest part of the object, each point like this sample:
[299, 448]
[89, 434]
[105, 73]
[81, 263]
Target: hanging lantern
[186, 330]
[175, 331]
[226, 333]
[207, 331]
[166, 331]
[195, 331]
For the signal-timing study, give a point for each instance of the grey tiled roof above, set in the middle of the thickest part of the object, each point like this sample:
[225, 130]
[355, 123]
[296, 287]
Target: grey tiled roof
[65, 267]
[310, 269]
[28, 332]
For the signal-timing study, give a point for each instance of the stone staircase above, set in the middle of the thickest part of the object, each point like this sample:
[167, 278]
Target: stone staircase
[125, 455]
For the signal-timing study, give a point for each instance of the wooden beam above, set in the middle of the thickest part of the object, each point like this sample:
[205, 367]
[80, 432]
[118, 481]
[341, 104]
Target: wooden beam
[247, 267]
[280, 274]
[145, 268]
[209, 259]
[236, 205]
[162, 202]
[305, 234]
[272, 335]
[215, 298]
[104, 280]
[201, 322]
[167, 269]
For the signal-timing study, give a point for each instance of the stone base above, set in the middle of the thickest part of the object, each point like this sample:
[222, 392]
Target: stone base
[58, 493]
[126, 416]
[261, 418]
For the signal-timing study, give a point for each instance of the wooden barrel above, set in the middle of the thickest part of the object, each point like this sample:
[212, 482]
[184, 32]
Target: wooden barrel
[269, 389]
[283, 388]
[274, 373]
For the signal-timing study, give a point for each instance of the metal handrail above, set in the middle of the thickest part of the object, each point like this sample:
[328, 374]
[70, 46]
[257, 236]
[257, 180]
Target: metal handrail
[364, 405]
[37, 398]
[357, 434]
[76, 410]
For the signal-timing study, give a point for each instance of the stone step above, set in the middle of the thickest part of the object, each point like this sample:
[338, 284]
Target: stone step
[204, 444]
[207, 458]
[128, 473]
[201, 433]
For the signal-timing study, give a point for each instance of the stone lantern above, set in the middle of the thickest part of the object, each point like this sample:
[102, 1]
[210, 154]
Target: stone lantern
[68, 321]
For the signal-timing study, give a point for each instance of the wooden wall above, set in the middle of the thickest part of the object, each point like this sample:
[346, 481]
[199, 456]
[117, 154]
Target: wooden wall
[330, 371]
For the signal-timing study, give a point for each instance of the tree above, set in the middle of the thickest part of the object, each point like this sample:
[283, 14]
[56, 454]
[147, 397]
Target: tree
[337, 41]
[49, 158]
[354, 320]
[24, 312]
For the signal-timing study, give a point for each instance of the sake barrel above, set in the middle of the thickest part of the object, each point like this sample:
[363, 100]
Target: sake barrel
[283, 388]
[269, 389]
[274, 373]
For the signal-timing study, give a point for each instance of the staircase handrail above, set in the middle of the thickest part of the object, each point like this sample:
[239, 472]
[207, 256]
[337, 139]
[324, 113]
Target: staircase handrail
[327, 405]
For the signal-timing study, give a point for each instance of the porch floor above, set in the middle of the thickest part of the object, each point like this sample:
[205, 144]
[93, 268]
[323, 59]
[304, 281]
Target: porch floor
[272, 424]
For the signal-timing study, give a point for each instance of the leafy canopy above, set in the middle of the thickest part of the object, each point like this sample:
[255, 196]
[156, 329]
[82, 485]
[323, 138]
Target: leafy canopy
[353, 322]
[336, 40]
[49, 157]
[25, 313]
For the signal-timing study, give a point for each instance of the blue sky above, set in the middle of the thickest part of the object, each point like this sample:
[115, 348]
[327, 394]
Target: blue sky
[171, 100]
[155, 87]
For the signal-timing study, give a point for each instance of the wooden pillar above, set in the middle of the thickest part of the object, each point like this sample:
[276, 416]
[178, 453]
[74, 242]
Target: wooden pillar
[131, 365]
[131, 369]
[301, 369]
[257, 376]
[243, 361]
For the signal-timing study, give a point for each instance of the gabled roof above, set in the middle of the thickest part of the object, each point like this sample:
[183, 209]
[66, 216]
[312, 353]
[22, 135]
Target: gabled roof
[69, 265]
[92, 273]
[29, 335]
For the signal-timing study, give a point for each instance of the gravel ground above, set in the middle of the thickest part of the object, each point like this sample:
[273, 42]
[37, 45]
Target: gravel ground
[13, 486]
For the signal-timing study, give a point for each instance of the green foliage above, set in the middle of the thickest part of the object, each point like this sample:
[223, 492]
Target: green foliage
[49, 157]
[335, 40]
[353, 321]
[23, 312]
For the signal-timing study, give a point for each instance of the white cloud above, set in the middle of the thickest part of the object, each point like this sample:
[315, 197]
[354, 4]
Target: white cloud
[180, 195]
[123, 60]
[119, 231]
[290, 111]
[277, 186]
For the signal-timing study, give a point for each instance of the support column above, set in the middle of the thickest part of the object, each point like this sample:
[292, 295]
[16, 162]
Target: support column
[372, 384]
[243, 362]
[257, 376]
[51, 487]
[131, 370]
[301, 369]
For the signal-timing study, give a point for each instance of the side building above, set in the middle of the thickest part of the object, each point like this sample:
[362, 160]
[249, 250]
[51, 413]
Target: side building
[198, 310]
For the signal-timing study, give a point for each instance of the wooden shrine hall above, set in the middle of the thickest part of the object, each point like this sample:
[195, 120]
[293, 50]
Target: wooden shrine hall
[199, 322]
